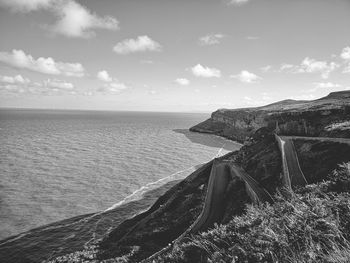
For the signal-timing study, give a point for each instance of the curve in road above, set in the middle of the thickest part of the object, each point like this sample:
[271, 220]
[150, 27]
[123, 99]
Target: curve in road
[221, 174]
[292, 173]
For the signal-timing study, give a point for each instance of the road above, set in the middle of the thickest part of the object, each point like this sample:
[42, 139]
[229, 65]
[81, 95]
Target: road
[213, 209]
[292, 173]
[221, 174]
[254, 190]
[322, 139]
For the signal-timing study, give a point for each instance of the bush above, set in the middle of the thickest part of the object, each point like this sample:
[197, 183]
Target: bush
[312, 226]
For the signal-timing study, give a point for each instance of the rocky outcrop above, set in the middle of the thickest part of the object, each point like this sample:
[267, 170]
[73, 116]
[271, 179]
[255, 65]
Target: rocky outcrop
[328, 116]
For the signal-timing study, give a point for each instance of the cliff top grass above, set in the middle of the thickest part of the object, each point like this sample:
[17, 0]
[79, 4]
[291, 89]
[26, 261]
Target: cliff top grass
[331, 101]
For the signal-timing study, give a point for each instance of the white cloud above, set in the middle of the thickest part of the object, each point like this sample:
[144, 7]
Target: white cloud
[237, 2]
[112, 85]
[26, 5]
[142, 43]
[75, 20]
[266, 68]
[286, 66]
[246, 77]
[104, 76]
[21, 85]
[116, 86]
[182, 81]
[310, 65]
[19, 59]
[210, 39]
[12, 80]
[323, 85]
[59, 84]
[345, 54]
[206, 72]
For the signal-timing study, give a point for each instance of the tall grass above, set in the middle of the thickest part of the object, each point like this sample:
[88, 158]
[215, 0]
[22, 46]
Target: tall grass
[311, 226]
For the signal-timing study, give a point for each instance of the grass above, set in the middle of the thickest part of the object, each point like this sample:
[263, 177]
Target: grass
[311, 226]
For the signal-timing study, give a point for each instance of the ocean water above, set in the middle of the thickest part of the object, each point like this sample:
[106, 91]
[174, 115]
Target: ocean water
[56, 165]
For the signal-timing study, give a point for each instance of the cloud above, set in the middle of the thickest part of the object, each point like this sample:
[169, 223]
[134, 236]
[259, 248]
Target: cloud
[310, 65]
[237, 2]
[345, 54]
[266, 68]
[59, 84]
[206, 72]
[116, 86]
[286, 66]
[323, 85]
[75, 20]
[209, 40]
[20, 85]
[12, 80]
[182, 81]
[112, 85]
[246, 77]
[141, 44]
[19, 59]
[104, 76]
[26, 5]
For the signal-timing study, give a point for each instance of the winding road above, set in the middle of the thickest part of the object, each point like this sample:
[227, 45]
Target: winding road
[223, 172]
[292, 173]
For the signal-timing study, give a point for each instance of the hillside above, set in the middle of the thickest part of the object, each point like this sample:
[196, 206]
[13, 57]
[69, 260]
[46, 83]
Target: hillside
[328, 116]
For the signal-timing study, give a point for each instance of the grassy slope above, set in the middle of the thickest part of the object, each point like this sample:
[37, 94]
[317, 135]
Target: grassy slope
[312, 226]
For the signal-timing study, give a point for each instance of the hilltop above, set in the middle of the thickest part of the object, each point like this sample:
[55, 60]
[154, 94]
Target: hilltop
[327, 116]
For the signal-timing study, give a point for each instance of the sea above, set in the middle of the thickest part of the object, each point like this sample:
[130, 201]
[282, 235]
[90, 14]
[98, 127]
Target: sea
[61, 164]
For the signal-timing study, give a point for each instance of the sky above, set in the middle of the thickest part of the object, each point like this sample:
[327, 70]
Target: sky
[167, 55]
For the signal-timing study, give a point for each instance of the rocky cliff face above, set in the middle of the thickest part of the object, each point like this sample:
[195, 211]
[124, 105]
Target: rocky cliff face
[328, 116]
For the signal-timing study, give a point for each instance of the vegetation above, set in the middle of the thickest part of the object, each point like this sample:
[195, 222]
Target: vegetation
[312, 225]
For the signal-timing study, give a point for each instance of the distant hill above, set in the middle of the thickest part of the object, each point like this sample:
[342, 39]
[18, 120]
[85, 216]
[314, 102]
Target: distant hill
[292, 117]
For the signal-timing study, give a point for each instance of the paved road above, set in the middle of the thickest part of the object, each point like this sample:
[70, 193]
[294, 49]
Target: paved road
[292, 173]
[322, 139]
[254, 190]
[213, 209]
[221, 174]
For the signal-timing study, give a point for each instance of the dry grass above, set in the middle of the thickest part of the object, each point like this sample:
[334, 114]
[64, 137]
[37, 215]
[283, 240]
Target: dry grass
[312, 226]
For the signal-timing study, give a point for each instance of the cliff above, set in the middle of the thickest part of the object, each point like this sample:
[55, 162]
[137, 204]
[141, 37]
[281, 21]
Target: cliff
[328, 117]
